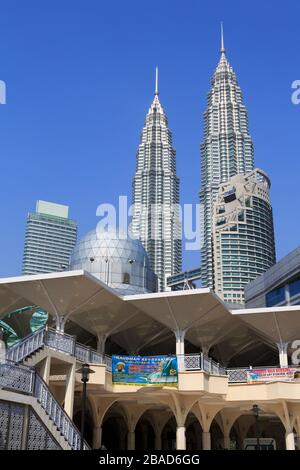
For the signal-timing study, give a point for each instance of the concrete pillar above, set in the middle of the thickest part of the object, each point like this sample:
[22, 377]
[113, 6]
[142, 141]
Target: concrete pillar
[227, 441]
[180, 438]
[289, 440]
[70, 389]
[60, 324]
[44, 369]
[131, 440]
[97, 437]
[283, 357]
[206, 441]
[179, 335]
[157, 440]
[101, 340]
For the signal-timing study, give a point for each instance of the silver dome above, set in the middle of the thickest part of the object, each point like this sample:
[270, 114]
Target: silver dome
[120, 262]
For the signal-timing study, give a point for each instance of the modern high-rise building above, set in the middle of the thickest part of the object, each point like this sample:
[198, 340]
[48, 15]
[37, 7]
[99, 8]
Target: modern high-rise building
[156, 215]
[49, 240]
[243, 234]
[226, 151]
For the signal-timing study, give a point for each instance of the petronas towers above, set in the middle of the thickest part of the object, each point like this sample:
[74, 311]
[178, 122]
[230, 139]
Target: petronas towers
[237, 222]
[155, 195]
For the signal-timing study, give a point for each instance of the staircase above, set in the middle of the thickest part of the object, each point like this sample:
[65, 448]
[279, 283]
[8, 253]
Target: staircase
[15, 375]
[31, 344]
[26, 381]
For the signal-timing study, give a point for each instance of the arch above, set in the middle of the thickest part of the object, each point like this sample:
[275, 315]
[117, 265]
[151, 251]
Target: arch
[270, 425]
[217, 436]
[114, 427]
[168, 434]
[144, 434]
[88, 425]
[193, 432]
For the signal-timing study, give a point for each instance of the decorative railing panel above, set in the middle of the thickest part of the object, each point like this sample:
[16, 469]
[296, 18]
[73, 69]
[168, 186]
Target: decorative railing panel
[82, 353]
[237, 375]
[60, 341]
[96, 357]
[108, 363]
[16, 377]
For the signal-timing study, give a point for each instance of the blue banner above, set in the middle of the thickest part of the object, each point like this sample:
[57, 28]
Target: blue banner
[144, 370]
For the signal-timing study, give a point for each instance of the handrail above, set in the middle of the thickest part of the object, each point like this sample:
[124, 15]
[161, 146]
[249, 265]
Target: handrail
[188, 362]
[58, 415]
[56, 340]
[67, 344]
[28, 345]
[26, 380]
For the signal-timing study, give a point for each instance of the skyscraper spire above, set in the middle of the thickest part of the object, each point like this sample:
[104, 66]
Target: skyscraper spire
[156, 81]
[227, 149]
[230, 257]
[155, 195]
[222, 39]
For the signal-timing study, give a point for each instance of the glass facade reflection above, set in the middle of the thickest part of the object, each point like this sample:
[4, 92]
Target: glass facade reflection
[285, 295]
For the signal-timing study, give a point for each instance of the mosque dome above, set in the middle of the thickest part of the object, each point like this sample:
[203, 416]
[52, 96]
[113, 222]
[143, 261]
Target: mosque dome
[116, 259]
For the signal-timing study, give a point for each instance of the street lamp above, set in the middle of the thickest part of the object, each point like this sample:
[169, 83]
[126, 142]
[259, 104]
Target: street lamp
[85, 372]
[255, 411]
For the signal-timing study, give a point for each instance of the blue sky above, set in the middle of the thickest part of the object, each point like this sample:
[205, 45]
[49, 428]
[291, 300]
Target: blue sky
[80, 79]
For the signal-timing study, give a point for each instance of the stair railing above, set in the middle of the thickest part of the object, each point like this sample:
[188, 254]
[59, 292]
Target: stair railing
[26, 380]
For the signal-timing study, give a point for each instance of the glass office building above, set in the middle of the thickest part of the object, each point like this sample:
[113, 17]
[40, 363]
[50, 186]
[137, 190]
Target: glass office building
[243, 242]
[279, 286]
[49, 240]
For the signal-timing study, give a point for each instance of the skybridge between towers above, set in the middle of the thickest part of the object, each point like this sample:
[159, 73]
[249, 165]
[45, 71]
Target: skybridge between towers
[184, 280]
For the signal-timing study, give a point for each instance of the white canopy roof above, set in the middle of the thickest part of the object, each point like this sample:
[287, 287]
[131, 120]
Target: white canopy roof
[136, 321]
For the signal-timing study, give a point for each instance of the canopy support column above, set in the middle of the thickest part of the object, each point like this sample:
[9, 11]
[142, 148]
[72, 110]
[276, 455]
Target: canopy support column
[283, 357]
[180, 438]
[180, 335]
[60, 324]
[101, 340]
[206, 441]
[289, 440]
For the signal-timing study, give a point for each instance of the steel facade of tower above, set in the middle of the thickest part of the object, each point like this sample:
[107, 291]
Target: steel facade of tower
[226, 151]
[155, 195]
[49, 240]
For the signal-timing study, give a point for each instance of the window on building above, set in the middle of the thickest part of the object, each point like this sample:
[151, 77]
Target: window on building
[126, 278]
[275, 297]
[294, 287]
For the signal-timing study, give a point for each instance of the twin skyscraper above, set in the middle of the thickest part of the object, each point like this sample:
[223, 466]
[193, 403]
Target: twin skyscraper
[237, 220]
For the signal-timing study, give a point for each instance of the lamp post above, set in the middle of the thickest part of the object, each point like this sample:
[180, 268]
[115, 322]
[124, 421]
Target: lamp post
[256, 410]
[85, 372]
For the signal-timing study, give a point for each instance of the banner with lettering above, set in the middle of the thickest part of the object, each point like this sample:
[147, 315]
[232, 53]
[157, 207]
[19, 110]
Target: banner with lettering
[145, 370]
[285, 374]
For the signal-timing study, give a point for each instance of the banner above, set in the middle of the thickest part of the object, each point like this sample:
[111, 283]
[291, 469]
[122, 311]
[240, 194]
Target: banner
[282, 374]
[145, 370]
